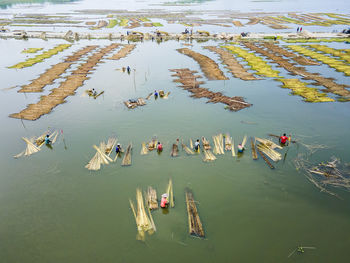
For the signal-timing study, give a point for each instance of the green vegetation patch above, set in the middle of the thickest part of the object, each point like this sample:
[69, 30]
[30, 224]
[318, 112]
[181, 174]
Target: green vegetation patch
[157, 24]
[32, 50]
[112, 23]
[124, 22]
[39, 58]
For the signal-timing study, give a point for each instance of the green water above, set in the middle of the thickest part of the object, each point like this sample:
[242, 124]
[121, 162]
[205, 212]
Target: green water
[55, 210]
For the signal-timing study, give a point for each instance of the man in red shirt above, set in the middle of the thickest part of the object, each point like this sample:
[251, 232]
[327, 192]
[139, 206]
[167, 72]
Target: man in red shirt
[159, 147]
[284, 139]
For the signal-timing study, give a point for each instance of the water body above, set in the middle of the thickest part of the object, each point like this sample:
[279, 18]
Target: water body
[55, 210]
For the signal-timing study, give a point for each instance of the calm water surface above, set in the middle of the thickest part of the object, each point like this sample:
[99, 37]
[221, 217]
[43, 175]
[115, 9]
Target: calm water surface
[55, 210]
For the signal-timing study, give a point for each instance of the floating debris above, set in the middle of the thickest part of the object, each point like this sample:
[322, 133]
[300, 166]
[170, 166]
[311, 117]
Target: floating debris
[194, 223]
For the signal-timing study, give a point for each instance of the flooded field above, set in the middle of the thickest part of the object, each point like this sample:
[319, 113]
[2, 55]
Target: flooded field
[56, 209]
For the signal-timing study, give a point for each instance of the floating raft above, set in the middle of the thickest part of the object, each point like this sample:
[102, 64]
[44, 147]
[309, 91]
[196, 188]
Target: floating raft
[265, 159]
[189, 82]
[194, 223]
[151, 197]
[127, 157]
[206, 144]
[132, 104]
[254, 154]
[174, 150]
[187, 150]
[209, 67]
[123, 52]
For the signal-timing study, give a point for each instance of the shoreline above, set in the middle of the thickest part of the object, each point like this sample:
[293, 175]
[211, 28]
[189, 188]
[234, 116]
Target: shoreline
[138, 36]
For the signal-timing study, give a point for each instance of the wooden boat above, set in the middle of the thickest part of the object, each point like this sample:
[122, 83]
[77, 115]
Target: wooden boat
[174, 150]
[206, 144]
[194, 223]
[151, 197]
[127, 158]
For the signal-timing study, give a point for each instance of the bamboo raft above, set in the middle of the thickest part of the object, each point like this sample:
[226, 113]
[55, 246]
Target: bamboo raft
[218, 144]
[102, 155]
[53, 73]
[132, 104]
[127, 157]
[254, 154]
[205, 143]
[152, 145]
[151, 196]
[144, 221]
[209, 67]
[237, 69]
[265, 159]
[329, 83]
[123, 52]
[144, 149]
[174, 150]
[170, 193]
[228, 142]
[208, 156]
[194, 223]
[189, 82]
[67, 88]
[187, 150]
[33, 145]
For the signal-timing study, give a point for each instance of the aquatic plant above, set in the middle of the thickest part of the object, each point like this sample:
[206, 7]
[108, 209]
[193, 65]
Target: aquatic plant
[31, 50]
[335, 52]
[157, 24]
[301, 89]
[332, 62]
[39, 58]
[315, 40]
[112, 23]
[256, 63]
[123, 22]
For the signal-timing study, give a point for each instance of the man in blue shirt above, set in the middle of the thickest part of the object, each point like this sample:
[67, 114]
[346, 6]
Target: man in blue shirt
[47, 139]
